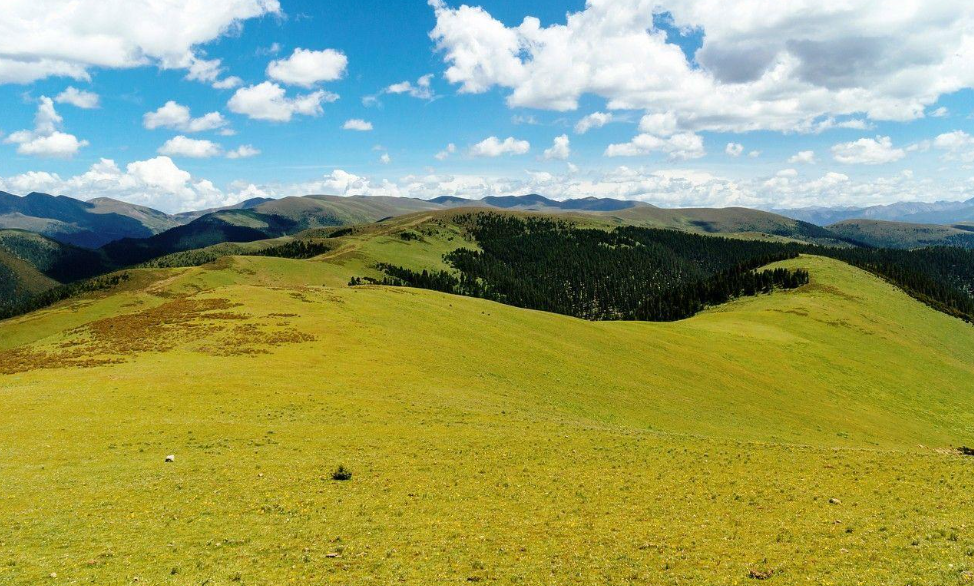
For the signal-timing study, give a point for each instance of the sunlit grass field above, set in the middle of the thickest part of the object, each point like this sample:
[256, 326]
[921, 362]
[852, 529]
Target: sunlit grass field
[805, 437]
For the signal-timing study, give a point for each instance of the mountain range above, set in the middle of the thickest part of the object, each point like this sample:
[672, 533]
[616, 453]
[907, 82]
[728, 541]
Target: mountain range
[943, 212]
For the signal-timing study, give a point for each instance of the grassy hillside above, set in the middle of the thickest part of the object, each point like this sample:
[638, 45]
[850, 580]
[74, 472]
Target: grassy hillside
[31, 264]
[211, 229]
[19, 280]
[901, 235]
[741, 221]
[329, 210]
[803, 437]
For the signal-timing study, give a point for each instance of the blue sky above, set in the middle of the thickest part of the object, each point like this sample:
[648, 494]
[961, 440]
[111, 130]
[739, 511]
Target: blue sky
[906, 135]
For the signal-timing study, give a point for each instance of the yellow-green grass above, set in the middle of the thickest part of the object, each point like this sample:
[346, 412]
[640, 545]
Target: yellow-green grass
[486, 442]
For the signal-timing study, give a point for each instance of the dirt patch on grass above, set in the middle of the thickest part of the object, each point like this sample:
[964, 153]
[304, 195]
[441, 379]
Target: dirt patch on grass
[250, 339]
[180, 322]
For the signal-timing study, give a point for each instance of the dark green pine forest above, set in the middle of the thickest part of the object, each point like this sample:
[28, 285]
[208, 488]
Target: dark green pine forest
[632, 273]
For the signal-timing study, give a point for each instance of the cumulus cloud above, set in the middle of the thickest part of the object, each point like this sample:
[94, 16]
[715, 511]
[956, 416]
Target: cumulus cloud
[445, 153]
[734, 149]
[957, 146]
[46, 139]
[181, 146]
[385, 159]
[786, 66]
[806, 157]
[421, 89]
[593, 120]
[157, 183]
[228, 83]
[175, 116]
[357, 124]
[867, 151]
[494, 147]
[43, 38]
[78, 98]
[682, 146]
[243, 152]
[560, 150]
[306, 68]
[269, 101]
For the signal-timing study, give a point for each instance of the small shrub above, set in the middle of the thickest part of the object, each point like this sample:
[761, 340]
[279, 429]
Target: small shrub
[966, 451]
[408, 236]
[341, 473]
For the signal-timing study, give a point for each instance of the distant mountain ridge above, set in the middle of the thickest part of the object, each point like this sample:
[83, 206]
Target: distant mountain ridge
[89, 224]
[535, 202]
[884, 234]
[943, 212]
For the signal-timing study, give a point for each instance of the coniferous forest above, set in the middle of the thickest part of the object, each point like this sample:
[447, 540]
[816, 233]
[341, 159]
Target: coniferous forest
[659, 275]
[622, 274]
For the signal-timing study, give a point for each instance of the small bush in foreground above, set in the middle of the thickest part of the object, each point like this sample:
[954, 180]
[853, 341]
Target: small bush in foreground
[341, 473]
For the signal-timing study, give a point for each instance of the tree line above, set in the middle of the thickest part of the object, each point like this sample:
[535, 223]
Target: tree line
[626, 273]
[658, 274]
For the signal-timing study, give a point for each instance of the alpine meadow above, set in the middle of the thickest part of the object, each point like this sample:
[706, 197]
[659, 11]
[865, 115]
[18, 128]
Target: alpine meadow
[594, 292]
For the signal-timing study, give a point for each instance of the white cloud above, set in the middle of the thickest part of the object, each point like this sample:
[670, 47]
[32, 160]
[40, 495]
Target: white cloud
[957, 146]
[46, 140]
[177, 117]
[306, 68]
[867, 151]
[78, 98]
[494, 147]
[157, 183]
[734, 149]
[659, 124]
[228, 83]
[42, 38]
[787, 66]
[357, 124]
[421, 89]
[678, 147]
[445, 153]
[528, 119]
[806, 157]
[593, 120]
[941, 112]
[181, 146]
[245, 151]
[560, 150]
[385, 159]
[268, 101]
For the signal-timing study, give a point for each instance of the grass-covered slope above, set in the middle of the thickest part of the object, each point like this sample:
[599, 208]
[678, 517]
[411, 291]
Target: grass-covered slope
[20, 281]
[803, 436]
[901, 235]
[31, 264]
[739, 221]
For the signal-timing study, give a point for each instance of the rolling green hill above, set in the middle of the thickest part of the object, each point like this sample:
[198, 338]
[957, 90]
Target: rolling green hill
[805, 436]
[734, 221]
[31, 264]
[270, 219]
[901, 235]
[731, 221]
[20, 281]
